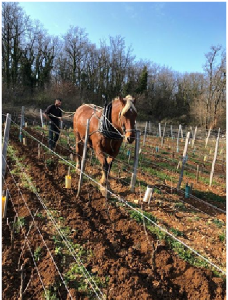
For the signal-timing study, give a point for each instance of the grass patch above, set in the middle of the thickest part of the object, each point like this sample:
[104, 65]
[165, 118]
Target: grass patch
[160, 174]
[222, 237]
[209, 196]
[176, 232]
[20, 170]
[139, 217]
[183, 252]
[218, 223]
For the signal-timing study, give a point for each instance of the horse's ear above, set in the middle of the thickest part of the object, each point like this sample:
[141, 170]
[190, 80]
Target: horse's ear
[131, 98]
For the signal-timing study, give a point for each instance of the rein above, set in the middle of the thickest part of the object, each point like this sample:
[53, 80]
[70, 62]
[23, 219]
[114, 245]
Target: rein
[67, 112]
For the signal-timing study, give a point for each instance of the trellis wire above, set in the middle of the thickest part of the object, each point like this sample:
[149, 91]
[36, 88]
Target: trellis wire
[137, 169]
[162, 229]
[200, 139]
[176, 160]
[154, 144]
[27, 243]
[154, 136]
[198, 199]
[154, 129]
[164, 169]
[40, 233]
[62, 236]
[142, 172]
[154, 185]
[122, 200]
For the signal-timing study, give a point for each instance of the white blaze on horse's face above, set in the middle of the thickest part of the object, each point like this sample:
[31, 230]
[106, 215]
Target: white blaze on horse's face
[128, 117]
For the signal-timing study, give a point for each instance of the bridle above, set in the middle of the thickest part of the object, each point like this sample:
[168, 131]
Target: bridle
[106, 126]
[123, 126]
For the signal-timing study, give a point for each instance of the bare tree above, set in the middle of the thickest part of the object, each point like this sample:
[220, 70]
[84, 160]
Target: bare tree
[216, 76]
[14, 26]
[75, 42]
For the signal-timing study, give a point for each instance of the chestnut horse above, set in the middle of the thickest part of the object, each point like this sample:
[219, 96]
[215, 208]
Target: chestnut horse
[108, 127]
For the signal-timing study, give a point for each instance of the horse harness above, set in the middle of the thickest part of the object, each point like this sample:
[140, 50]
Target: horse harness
[105, 124]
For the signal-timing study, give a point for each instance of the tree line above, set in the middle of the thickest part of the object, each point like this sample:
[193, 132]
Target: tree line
[37, 67]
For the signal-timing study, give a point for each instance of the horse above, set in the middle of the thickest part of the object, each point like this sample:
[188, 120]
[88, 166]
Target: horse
[109, 126]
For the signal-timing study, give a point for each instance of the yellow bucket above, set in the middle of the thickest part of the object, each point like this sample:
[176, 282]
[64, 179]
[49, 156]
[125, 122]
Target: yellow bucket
[67, 181]
[3, 204]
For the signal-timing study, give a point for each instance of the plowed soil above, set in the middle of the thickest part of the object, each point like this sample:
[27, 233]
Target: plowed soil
[129, 261]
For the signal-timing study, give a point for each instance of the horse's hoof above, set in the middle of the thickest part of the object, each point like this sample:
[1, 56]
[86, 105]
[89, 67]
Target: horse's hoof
[103, 191]
[106, 191]
[78, 171]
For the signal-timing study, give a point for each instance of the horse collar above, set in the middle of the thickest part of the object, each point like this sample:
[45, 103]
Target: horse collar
[106, 127]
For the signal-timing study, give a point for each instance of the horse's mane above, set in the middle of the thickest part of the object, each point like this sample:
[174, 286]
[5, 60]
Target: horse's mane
[129, 104]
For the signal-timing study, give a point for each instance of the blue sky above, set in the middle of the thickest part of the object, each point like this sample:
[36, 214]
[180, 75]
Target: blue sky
[172, 34]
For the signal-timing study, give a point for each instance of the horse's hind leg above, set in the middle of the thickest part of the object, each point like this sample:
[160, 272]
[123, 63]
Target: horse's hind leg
[79, 150]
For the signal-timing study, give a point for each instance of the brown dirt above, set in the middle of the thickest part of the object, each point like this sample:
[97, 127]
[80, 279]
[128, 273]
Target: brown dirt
[121, 250]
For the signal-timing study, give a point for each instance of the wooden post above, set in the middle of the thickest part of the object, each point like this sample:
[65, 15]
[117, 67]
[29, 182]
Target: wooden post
[22, 282]
[144, 138]
[181, 130]
[149, 128]
[136, 161]
[163, 136]
[184, 160]
[23, 116]
[197, 173]
[21, 123]
[207, 138]
[194, 137]
[218, 132]
[83, 157]
[178, 135]
[136, 125]
[191, 131]
[38, 151]
[214, 160]
[159, 129]
[5, 144]
[41, 118]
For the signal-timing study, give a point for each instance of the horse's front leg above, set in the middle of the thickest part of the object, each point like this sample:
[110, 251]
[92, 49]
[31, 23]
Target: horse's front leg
[105, 172]
[109, 161]
[105, 169]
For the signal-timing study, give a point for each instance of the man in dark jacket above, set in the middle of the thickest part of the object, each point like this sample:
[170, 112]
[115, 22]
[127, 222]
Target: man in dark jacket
[53, 113]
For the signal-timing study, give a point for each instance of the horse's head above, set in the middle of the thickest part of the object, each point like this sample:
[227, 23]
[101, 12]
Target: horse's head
[127, 117]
